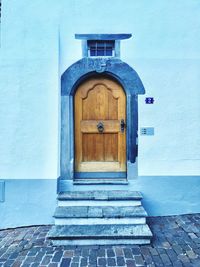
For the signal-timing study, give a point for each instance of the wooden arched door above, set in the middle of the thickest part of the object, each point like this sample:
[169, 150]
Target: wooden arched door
[100, 130]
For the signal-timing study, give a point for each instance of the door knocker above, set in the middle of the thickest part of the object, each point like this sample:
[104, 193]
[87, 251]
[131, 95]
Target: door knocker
[100, 127]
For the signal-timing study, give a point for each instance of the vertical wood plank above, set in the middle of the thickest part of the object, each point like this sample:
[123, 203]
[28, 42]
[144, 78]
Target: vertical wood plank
[78, 134]
[113, 107]
[111, 147]
[122, 136]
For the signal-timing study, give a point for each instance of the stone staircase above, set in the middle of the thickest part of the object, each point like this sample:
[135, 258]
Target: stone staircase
[100, 218]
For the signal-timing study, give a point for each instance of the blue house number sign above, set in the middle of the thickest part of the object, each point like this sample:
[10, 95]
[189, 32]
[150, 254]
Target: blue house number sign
[149, 100]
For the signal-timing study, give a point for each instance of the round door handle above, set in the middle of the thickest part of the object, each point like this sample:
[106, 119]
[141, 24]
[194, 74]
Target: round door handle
[100, 127]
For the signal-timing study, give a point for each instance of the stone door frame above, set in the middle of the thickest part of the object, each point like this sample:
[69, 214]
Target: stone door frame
[70, 80]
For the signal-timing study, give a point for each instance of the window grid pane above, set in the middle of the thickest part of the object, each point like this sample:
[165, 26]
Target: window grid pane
[100, 48]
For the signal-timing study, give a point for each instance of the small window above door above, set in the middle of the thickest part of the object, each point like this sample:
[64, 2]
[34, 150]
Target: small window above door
[101, 45]
[101, 48]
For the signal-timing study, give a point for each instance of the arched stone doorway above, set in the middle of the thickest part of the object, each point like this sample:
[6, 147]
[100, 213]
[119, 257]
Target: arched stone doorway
[71, 79]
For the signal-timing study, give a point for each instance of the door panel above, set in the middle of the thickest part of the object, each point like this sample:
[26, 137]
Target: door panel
[100, 100]
[92, 147]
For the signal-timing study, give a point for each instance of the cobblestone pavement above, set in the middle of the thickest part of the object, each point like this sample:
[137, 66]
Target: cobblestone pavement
[176, 243]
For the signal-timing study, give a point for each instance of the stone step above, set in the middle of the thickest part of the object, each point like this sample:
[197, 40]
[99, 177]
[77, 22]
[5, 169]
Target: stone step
[118, 203]
[108, 217]
[100, 234]
[100, 212]
[96, 221]
[100, 195]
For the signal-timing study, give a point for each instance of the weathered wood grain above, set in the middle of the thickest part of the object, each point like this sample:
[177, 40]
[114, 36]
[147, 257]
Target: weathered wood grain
[100, 100]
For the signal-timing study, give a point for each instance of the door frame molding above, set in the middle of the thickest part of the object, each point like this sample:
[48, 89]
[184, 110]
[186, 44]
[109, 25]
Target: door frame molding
[71, 79]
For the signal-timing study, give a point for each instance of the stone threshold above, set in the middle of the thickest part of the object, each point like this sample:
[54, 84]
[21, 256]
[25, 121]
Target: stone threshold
[100, 181]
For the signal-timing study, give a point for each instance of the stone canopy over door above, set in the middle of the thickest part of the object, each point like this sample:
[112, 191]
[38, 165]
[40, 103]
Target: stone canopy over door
[100, 132]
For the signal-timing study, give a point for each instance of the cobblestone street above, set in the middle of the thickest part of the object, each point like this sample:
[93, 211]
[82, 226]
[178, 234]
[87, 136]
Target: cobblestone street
[176, 242]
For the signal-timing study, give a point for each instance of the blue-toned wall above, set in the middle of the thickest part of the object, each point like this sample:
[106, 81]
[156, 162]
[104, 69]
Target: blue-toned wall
[28, 202]
[38, 45]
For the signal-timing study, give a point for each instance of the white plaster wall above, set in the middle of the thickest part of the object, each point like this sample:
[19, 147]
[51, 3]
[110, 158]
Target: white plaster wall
[175, 147]
[37, 45]
[29, 90]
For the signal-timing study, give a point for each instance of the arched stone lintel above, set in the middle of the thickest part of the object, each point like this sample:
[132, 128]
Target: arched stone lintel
[86, 67]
